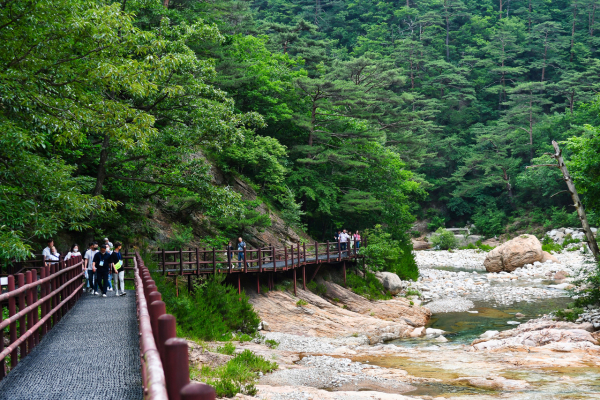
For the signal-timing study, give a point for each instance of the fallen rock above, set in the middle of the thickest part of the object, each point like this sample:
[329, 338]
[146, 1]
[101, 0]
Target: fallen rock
[560, 275]
[495, 383]
[417, 332]
[525, 249]
[390, 281]
[549, 257]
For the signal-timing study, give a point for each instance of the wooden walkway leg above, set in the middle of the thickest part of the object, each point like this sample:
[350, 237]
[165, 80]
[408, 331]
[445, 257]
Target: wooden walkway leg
[294, 280]
[344, 267]
[239, 284]
[258, 282]
[304, 277]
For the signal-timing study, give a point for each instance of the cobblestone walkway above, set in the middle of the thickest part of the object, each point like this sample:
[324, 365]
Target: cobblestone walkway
[92, 353]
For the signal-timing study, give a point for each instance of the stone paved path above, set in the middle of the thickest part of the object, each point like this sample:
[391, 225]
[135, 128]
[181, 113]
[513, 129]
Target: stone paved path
[92, 353]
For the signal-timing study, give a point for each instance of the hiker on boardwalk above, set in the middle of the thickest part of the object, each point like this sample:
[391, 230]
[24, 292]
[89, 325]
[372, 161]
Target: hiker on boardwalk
[74, 252]
[357, 240]
[116, 262]
[336, 235]
[241, 248]
[107, 242]
[344, 240]
[48, 250]
[88, 260]
[230, 251]
[100, 266]
[54, 256]
[110, 275]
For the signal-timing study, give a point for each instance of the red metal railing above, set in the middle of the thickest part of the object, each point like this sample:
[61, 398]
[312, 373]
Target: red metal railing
[41, 304]
[164, 357]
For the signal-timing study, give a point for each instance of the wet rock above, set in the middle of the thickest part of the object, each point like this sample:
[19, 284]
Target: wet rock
[495, 383]
[441, 339]
[560, 275]
[434, 332]
[525, 249]
[488, 334]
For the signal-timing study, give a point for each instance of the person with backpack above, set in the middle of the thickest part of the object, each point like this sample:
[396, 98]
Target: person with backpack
[116, 262]
[88, 261]
[100, 267]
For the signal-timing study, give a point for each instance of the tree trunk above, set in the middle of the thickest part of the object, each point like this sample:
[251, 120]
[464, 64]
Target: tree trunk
[101, 176]
[531, 125]
[313, 118]
[576, 202]
[508, 185]
[448, 38]
[572, 100]
[573, 31]
[545, 55]
[500, 9]
[529, 17]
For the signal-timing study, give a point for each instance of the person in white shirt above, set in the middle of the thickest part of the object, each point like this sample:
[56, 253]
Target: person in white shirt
[48, 250]
[74, 252]
[344, 240]
[54, 255]
[106, 241]
[88, 265]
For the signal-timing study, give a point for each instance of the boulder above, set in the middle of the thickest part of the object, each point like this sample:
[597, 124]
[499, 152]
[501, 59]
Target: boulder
[420, 245]
[549, 257]
[560, 275]
[525, 249]
[390, 281]
[495, 383]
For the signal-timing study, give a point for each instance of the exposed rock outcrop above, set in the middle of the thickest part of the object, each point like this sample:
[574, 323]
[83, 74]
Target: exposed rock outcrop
[352, 315]
[549, 257]
[495, 383]
[525, 249]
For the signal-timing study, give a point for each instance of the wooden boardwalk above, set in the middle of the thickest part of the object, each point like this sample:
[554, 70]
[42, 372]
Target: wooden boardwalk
[265, 260]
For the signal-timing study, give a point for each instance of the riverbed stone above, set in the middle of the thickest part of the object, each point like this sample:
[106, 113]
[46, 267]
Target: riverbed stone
[525, 249]
[549, 257]
[390, 281]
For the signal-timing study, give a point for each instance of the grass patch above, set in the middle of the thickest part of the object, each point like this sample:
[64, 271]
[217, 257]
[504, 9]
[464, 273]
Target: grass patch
[317, 288]
[412, 292]
[301, 303]
[283, 286]
[239, 375]
[549, 245]
[570, 314]
[273, 344]
[228, 348]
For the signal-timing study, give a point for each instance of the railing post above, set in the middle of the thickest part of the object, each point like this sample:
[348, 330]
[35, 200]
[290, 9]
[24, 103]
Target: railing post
[43, 294]
[36, 336]
[214, 261]
[260, 259]
[198, 391]
[177, 369]
[29, 295]
[12, 310]
[285, 257]
[229, 257]
[156, 309]
[245, 262]
[292, 256]
[316, 252]
[2, 363]
[166, 331]
[304, 252]
[328, 251]
[339, 245]
[164, 261]
[298, 258]
[22, 320]
[180, 261]
[197, 262]
[274, 259]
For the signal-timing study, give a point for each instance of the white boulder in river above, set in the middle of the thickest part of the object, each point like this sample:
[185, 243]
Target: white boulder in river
[390, 281]
[525, 249]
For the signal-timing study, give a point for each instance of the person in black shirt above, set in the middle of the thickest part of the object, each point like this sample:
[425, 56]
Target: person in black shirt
[101, 266]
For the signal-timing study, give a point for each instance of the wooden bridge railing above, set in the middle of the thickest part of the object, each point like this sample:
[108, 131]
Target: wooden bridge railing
[196, 261]
[164, 357]
[41, 303]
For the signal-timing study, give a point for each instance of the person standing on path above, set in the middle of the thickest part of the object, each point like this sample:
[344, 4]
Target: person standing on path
[241, 248]
[48, 250]
[74, 252]
[343, 240]
[357, 240]
[230, 252]
[107, 242]
[88, 265]
[109, 251]
[101, 268]
[116, 262]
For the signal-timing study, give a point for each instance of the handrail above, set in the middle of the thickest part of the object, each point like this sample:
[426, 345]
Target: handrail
[164, 357]
[41, 303]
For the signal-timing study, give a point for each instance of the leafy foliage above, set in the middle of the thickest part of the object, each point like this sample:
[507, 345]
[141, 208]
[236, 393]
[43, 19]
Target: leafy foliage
[369, 287]
[383, 253]
[444, 239]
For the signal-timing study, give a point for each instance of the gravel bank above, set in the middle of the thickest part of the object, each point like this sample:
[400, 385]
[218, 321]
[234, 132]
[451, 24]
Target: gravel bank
[450, 305]
[307, 344]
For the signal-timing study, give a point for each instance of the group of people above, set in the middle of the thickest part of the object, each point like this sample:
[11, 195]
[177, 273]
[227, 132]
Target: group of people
[344, 238]
[100, 264]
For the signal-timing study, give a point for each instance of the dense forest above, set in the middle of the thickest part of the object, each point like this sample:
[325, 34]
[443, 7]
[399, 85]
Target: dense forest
[339, 113]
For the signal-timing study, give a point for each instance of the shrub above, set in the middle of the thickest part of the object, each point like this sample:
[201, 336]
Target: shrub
[436, 222]
[211, 312]
[415, 234]
[181, 236]
[386, 254]
[301, 303]
[489, 220]
[549, 245]
[444, 239]
[570, 315]
[273, 344]
[239, 375]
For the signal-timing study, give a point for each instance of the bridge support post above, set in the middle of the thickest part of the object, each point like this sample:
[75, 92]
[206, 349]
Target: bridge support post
[239, 283]
[294, 271]
[304, 277]
[258, 282]
[344, 268]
